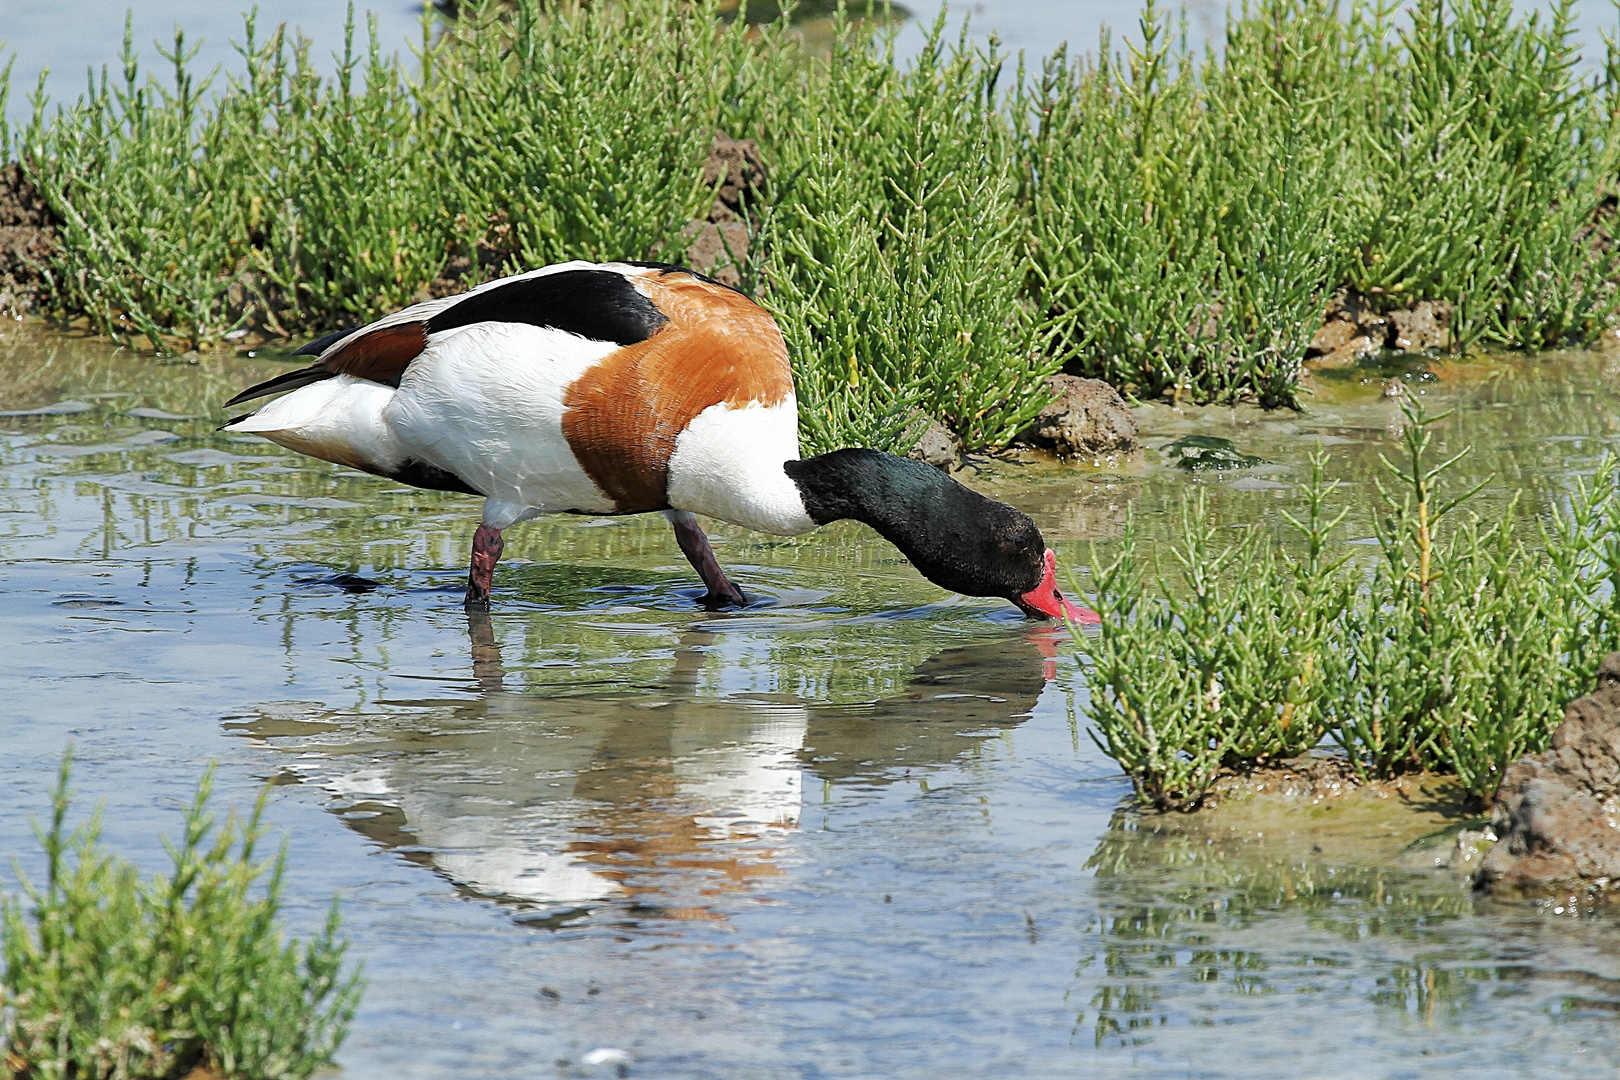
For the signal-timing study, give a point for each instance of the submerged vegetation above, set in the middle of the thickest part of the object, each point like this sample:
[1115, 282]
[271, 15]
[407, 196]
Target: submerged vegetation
[1454, 651]
[936, 235]
[110, 977]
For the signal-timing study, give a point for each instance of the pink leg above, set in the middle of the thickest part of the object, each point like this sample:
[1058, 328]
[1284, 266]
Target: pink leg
[486, 552]
[695, 546]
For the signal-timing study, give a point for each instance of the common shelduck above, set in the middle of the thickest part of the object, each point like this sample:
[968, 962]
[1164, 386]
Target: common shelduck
[624, 388]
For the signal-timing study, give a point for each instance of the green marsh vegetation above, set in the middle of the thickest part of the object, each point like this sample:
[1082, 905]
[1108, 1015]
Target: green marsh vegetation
[110, 977]
[1212, 207]
[1453, 651]
[937, 235]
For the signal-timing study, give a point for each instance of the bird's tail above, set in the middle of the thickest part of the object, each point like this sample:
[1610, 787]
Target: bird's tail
[339, 419]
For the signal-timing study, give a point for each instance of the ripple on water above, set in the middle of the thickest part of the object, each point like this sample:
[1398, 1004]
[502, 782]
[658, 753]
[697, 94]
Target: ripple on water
[847, 831]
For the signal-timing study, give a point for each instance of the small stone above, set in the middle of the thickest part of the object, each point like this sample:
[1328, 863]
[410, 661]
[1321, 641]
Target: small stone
[1360, 313]
[938, 447]
[1087, 417]
[1351, 330]
[606, 1055]
[1334, 335]
[1338, 344]
[1426, 326]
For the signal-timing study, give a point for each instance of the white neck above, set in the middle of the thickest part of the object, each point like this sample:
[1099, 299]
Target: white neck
[728, 465]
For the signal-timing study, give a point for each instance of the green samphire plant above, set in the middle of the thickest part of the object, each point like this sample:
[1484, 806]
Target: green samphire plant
[1455, 651]
[934, 237]
[108, 977]
[1230, 667]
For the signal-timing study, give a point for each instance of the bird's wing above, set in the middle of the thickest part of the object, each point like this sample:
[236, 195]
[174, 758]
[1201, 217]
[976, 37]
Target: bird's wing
[596, 302]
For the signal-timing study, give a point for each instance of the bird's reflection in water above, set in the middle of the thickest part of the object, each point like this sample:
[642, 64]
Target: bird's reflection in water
[488, 671]
[651, 804]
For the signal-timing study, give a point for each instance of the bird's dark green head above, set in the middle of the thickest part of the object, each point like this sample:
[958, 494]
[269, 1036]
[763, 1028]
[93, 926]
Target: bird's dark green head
[955, 537]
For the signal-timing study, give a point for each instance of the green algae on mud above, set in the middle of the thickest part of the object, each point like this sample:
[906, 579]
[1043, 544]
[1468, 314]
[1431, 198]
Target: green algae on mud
[1264, 826]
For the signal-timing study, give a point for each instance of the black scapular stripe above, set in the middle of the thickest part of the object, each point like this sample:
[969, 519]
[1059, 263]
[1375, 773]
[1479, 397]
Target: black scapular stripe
[320, 344]
[596, 304]
[290, 380]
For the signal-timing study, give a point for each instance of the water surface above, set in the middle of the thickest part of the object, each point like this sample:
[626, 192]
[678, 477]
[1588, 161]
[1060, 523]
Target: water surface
[852, 831]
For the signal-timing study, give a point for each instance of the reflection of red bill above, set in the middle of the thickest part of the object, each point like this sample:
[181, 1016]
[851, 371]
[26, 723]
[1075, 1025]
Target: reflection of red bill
[1046, 643]
[1044, 601]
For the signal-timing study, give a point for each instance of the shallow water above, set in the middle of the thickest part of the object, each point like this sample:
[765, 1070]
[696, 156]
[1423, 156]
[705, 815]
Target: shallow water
[853, 831]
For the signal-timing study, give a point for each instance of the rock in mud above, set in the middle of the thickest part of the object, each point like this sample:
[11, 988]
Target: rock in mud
[718, 249]
[1086, 418]
[736, 170]
[27, 239]
[1426, 326]
[1558, 813]
[1339, 343]
[1351, 329]
[938, 447]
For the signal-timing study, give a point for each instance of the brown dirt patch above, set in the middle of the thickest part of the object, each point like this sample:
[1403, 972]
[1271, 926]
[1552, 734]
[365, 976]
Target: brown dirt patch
[27, 240]
[1558, 812]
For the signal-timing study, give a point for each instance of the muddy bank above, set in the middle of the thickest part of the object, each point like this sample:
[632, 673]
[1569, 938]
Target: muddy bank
[1553, 834]
[1557, 811]
[718, 245]
[27, 241]
[1314, 811]
[1355, 327]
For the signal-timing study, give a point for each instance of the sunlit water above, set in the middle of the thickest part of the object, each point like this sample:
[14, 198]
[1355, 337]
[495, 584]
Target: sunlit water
[853, 831]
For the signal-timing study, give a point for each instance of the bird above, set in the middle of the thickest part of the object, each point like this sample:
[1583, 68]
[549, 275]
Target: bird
[627, 388]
